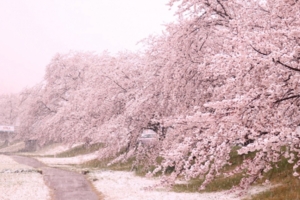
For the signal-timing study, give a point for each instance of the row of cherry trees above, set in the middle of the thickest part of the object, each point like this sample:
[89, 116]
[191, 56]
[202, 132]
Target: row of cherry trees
[225, 73]
[231, 75]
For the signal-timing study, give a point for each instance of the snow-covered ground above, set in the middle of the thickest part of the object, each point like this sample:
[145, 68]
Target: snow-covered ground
[14, 147]
[116, 185]
[120, 185]
[69, 160]
[21, 182]
[52, 149]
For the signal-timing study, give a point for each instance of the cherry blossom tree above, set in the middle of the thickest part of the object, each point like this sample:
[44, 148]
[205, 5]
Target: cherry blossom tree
[230, 75]
[33, 113]
[85, 95]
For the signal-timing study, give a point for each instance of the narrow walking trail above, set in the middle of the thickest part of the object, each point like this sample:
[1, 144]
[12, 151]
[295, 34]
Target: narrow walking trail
[65, 184]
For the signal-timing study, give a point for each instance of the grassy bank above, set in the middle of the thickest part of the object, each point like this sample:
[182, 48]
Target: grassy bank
[79, 150]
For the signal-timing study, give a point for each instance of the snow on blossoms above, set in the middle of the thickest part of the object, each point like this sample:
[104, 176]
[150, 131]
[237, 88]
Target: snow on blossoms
[224, 74]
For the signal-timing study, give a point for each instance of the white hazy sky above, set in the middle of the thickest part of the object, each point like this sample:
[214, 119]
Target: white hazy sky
[33, 31]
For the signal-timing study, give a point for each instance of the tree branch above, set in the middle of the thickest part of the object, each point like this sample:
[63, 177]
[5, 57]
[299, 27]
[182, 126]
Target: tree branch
[288, 78]
[203, 42]
[258, 51]
[225, 12]
[116, 83]
[45, 106]
[287, 98]
[287, 66]
[64, 98]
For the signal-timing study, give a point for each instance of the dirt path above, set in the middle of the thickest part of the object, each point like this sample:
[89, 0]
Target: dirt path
[65, 185]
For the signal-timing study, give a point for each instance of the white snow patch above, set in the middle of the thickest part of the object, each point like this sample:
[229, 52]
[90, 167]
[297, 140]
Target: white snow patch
[116, 185]
[68, 160]
[25, 186]
[52, 149]
[14, 147]
[56, 149]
